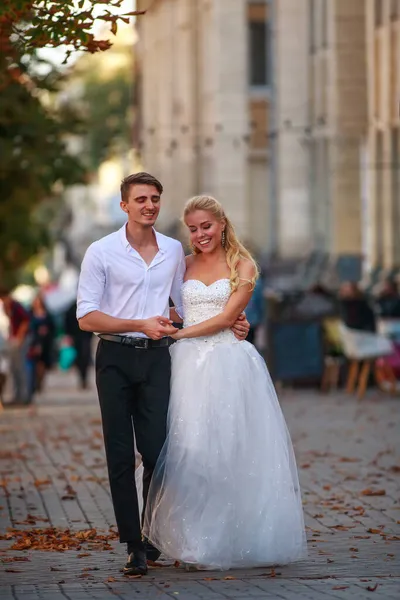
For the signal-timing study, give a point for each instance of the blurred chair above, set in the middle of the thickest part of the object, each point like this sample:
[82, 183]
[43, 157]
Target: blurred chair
[362, 349]
[334, 357]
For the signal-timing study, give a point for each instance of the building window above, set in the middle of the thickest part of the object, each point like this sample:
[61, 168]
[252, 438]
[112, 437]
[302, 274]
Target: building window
[378, 13]
[258, 54]
[259, 40]
[394, 9]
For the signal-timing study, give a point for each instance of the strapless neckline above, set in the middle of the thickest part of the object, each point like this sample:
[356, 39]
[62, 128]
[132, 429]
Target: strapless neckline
[205, 284]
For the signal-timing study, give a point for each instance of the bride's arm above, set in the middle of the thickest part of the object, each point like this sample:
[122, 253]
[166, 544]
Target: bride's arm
[234, 307]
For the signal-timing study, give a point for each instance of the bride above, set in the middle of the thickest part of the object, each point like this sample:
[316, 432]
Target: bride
[225, 491]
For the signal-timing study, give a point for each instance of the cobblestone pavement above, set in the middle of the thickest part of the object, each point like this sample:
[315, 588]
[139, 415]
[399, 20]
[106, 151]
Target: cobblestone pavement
[52, 475]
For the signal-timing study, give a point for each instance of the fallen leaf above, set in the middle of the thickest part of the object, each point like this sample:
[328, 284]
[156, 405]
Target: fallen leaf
[395, 469]
[13, 571]
[41, 482]
[70, 493]
[371, 530]
[55, 569]
[111, 579]
[59, 540]
[229, 577]
[372, 588]
[370, 492]
[340, 587]
[152, 563]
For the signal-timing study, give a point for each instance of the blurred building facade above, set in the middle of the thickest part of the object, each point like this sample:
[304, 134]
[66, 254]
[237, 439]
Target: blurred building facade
[383, 139]
[285, 110]
[204, 96]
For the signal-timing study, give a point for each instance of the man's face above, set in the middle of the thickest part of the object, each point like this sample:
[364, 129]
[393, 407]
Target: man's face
[142, 204]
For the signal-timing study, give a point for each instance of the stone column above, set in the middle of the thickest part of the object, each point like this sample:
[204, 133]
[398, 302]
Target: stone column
[291, 119]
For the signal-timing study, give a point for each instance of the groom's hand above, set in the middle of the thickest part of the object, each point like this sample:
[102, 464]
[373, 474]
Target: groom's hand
[158, 327]
[241, 327]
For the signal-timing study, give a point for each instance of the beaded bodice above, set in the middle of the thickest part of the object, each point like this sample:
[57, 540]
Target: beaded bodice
[202, 302]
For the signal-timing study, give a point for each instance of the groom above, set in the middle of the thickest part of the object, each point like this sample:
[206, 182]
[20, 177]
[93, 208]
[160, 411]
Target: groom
[126, 281]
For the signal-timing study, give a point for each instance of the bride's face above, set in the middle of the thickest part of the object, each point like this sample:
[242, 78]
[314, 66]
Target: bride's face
[205, 230]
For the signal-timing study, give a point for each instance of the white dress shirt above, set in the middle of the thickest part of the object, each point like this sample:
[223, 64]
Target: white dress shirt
[117, 281]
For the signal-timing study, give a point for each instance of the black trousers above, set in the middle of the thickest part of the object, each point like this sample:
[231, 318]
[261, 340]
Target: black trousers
[133, 386]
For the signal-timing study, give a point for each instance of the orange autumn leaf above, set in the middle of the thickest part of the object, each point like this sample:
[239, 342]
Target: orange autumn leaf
[371, 530]
[41, 482]
[340, 587]
[370, 492]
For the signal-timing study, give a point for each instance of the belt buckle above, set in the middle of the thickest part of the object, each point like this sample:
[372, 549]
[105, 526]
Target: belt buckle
[143, 345]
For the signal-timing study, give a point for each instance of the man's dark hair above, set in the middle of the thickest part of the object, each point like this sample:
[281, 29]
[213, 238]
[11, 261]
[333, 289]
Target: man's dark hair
[139, 179]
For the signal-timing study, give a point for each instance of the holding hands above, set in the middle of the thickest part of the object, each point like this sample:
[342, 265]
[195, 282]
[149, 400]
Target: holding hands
[158, 327]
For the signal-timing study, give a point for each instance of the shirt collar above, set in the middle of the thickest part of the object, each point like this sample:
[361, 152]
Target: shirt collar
[160, 239]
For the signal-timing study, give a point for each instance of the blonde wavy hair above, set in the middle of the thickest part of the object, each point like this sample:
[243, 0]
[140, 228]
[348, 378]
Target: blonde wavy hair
[235, 251]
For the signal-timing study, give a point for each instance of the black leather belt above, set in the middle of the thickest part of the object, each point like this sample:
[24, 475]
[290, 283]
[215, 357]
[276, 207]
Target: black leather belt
[145, 343]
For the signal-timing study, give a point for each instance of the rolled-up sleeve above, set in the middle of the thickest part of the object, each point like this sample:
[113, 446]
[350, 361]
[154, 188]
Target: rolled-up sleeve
[92, 281]
[176, 288]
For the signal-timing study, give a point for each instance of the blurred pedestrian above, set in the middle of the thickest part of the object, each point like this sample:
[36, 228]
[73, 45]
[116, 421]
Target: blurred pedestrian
[388, 300]
[255, 311]
[17, 347]
[40, 354]
[82, 342]
[355, 309]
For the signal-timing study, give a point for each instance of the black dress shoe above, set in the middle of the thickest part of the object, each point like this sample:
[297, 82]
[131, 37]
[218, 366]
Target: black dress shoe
[137, 564]
[152, 552]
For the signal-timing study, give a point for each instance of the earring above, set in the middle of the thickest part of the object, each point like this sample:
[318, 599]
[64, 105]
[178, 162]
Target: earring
[223, 239]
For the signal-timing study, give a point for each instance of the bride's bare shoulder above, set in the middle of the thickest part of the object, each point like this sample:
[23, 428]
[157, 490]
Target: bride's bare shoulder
[246, 268]
[189, 260]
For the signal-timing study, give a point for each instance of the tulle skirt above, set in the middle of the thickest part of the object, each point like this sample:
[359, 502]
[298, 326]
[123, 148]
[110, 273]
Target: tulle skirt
[225, 491]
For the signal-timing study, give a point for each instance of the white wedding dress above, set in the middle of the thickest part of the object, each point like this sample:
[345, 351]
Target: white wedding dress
[225, 491]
